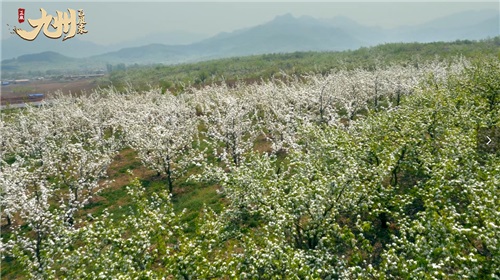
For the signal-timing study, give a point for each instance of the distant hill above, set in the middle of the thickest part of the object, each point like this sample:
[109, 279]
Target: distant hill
[75, 47]
[256, 67]
[472, 25]
[14, 47]
[368, 34]
[54, 62]
[462, 19]
[287, 34]
[44, 57]
[169, 38]
[153, 53]
[283, 34]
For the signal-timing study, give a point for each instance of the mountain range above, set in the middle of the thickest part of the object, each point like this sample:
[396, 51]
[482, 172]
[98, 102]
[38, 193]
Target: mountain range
[284, 33]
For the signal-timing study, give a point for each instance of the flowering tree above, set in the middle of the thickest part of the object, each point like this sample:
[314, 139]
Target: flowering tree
[131, 247]
[400, 193]
[162, 130]
[53, 162]
[29, 197]
[232, 124]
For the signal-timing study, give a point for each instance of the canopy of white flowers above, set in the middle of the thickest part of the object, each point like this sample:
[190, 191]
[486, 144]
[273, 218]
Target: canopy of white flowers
[362, 174]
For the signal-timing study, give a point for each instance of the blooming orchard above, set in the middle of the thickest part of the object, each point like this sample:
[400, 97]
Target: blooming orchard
[350, 174]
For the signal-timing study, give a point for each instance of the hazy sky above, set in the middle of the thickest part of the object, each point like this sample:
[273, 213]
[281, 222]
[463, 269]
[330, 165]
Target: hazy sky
[112, 22]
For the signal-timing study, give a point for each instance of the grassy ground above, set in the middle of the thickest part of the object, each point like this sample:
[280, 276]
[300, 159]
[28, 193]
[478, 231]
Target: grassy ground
[188, 196]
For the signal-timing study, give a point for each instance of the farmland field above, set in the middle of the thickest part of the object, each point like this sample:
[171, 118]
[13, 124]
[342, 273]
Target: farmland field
[18, 93]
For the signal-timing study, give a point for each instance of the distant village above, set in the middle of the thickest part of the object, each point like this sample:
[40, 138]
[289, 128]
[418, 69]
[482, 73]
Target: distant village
[59, 78]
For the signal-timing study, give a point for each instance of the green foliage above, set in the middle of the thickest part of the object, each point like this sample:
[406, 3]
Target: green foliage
[402, 193]
[255, 68]
[130, 248]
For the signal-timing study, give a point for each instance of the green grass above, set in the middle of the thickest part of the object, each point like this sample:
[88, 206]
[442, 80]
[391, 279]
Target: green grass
[193, 199]
[11, 269]
[188, 197]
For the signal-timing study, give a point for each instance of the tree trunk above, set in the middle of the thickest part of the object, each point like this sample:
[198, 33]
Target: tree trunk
[38, 248]
[169, 175]
[383, 220]
[75, 193]
[9, 221]
[397, 168]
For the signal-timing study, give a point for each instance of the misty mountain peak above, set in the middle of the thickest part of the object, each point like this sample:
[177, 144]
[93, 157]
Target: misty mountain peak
[286, 18]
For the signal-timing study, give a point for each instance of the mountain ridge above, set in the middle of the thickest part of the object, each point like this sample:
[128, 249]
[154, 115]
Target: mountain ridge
[286, 33]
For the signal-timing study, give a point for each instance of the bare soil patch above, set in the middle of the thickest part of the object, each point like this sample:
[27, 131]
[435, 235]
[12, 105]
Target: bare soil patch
[19, 93]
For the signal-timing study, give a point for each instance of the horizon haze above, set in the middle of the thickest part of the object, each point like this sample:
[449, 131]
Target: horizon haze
[193, 31]
[111, 23]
